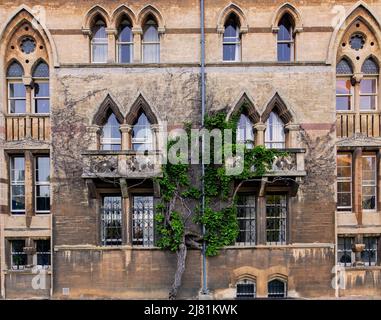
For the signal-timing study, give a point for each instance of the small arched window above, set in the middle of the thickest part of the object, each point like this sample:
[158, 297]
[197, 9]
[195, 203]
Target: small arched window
[344, 88]
[245, 133]
[151, 42]
[16, 88]
[125, 42]
[232, 41]
[142, 138]
[99, 42]
[369, 85]
[274, 137]
[285, 39]
[111, 138]
[246, 289]
[277, 289]
[41, 88]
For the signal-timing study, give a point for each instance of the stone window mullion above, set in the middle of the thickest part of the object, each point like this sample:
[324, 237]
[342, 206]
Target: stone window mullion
[137, 47]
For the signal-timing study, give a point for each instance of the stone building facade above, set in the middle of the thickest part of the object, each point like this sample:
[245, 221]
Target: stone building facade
[86, 85]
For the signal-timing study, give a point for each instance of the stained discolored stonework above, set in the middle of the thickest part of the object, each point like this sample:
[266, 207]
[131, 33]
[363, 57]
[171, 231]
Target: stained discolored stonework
[99, 222]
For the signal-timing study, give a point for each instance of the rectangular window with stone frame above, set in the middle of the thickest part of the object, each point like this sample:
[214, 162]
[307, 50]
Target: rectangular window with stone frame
[369, 181]
[344, 182]
[345, 255]
[17, 186]
[370, 253]
[40, 254]
[246, 216]
[276, 219]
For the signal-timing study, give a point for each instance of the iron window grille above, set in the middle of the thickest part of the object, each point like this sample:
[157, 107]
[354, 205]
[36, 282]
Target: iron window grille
[246, 289]
[19, 257]
[369, 254]
[143, 221]
[276, 219]
[246, 216]
[277, 289]
[111, 221]
[345, 255]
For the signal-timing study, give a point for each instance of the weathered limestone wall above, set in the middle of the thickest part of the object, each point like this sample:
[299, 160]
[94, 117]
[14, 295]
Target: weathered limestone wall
[263, 263]
[123, 273]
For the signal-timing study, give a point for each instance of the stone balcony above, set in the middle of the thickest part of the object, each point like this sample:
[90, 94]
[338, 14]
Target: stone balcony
[121, 164]
[291, 165]
[367, 124]
[21, 127]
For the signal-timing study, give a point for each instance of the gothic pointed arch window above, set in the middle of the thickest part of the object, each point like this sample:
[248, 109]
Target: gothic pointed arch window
[245, 133]
[41, 100]
[142, 136]
[344, 87]
[151, 41]
[125, 41]
[369, 85]
[111, 137]
[246, 289]
[285, 39]
[277, 288]
[232, 39]
[16, 88]
[274, 136]
[99, 41]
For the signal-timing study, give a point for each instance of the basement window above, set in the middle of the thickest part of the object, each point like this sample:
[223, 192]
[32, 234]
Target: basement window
[246, 289]
[276, 289]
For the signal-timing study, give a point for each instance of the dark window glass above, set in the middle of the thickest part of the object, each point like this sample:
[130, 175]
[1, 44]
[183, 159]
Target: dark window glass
[246, 290]
[344, 251]
[43, 253]
[19, 257]
[369, 255]
[276, 289]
